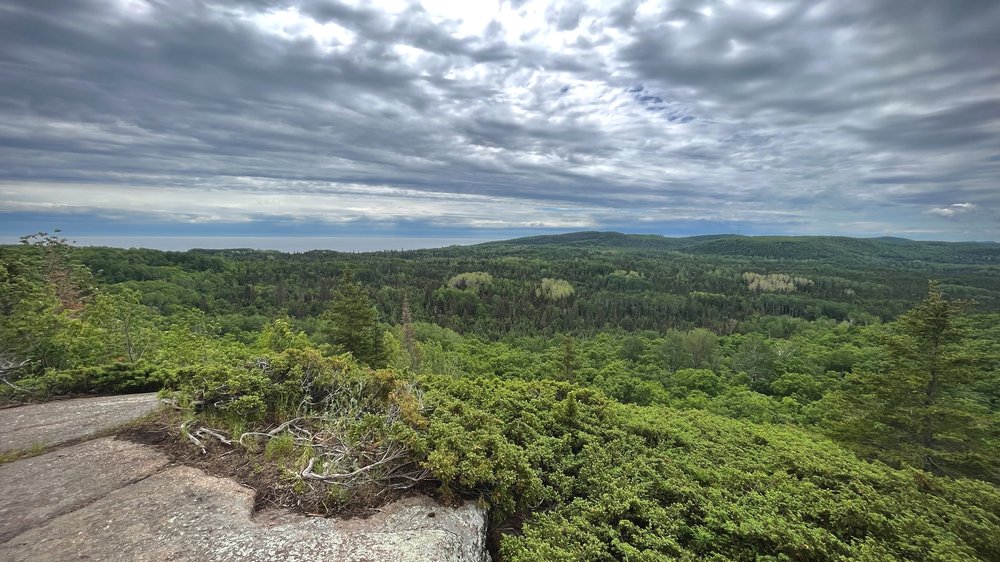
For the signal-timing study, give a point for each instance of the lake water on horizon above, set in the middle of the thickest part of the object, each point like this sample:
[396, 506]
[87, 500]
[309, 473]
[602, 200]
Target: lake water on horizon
[281, 243]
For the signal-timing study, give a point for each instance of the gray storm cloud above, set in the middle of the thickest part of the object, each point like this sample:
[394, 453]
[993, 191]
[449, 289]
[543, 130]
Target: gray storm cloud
[851, 117]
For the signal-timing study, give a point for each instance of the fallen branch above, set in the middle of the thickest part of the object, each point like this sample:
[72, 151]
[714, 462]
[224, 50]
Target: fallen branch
[216, 434]
[273, 433]
[10, 384]
[197, 443]
[308, 473]
[9, 366]
[192, 438]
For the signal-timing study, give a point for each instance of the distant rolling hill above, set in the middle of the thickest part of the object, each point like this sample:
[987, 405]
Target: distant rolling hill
[831, 249]
[618, 281]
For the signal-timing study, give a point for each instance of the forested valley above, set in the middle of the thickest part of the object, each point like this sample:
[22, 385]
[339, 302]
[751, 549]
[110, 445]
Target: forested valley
[606, 396]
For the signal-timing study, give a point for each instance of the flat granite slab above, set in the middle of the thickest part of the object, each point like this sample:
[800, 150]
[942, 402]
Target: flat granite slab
[112, 499]
[181, 513]
[36, 490]
[54, 423]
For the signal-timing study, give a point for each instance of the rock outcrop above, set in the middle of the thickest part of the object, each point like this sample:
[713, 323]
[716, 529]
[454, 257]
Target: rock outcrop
[39, 489]
[62, 421]
[110, 499]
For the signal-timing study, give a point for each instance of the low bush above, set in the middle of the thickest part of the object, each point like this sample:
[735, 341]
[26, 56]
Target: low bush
[606, 481]
[591, 479]
[347, 433]
[113, 378]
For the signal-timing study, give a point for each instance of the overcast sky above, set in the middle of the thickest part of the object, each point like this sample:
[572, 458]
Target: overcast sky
[467, 118]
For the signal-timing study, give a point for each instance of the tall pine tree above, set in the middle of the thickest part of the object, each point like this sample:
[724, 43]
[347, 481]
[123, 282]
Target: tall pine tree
[351, 322]
[409, 339]
[919, 409]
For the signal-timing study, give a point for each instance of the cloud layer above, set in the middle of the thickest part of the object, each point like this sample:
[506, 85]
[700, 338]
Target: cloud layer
[848, 117]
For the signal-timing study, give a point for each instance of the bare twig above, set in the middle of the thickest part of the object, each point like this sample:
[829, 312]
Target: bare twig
[10, 366]
[308, 473]
[197, 443]
[272, 433]
[10, 384]
[213, 433]
[192, 438]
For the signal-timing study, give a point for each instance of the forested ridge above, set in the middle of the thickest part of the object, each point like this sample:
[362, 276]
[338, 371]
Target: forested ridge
[631, 282]
[606, 396]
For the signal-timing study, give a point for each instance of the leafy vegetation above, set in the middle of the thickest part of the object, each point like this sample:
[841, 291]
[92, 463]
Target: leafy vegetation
[554, 289]
[608, 397]
[472, 280]
[678, 283]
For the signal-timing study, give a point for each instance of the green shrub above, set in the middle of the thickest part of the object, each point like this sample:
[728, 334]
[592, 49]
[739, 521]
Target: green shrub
[280, 448]
[614, 482]
[593, 479]
[113, 378]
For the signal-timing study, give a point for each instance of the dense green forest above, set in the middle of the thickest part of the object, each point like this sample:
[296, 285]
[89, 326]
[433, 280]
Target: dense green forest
[607, 396]
[614, 281]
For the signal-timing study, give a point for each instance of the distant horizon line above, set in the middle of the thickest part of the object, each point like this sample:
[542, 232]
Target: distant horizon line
[270, 243]
[371, 243]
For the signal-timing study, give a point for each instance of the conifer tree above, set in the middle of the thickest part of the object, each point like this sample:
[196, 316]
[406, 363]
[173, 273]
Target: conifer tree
[569, 362]
[409, 339]
[351, 322]
[919, 409]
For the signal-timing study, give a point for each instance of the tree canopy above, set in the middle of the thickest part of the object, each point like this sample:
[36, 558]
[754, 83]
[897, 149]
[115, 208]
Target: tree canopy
[605, 397]
[352, 322]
